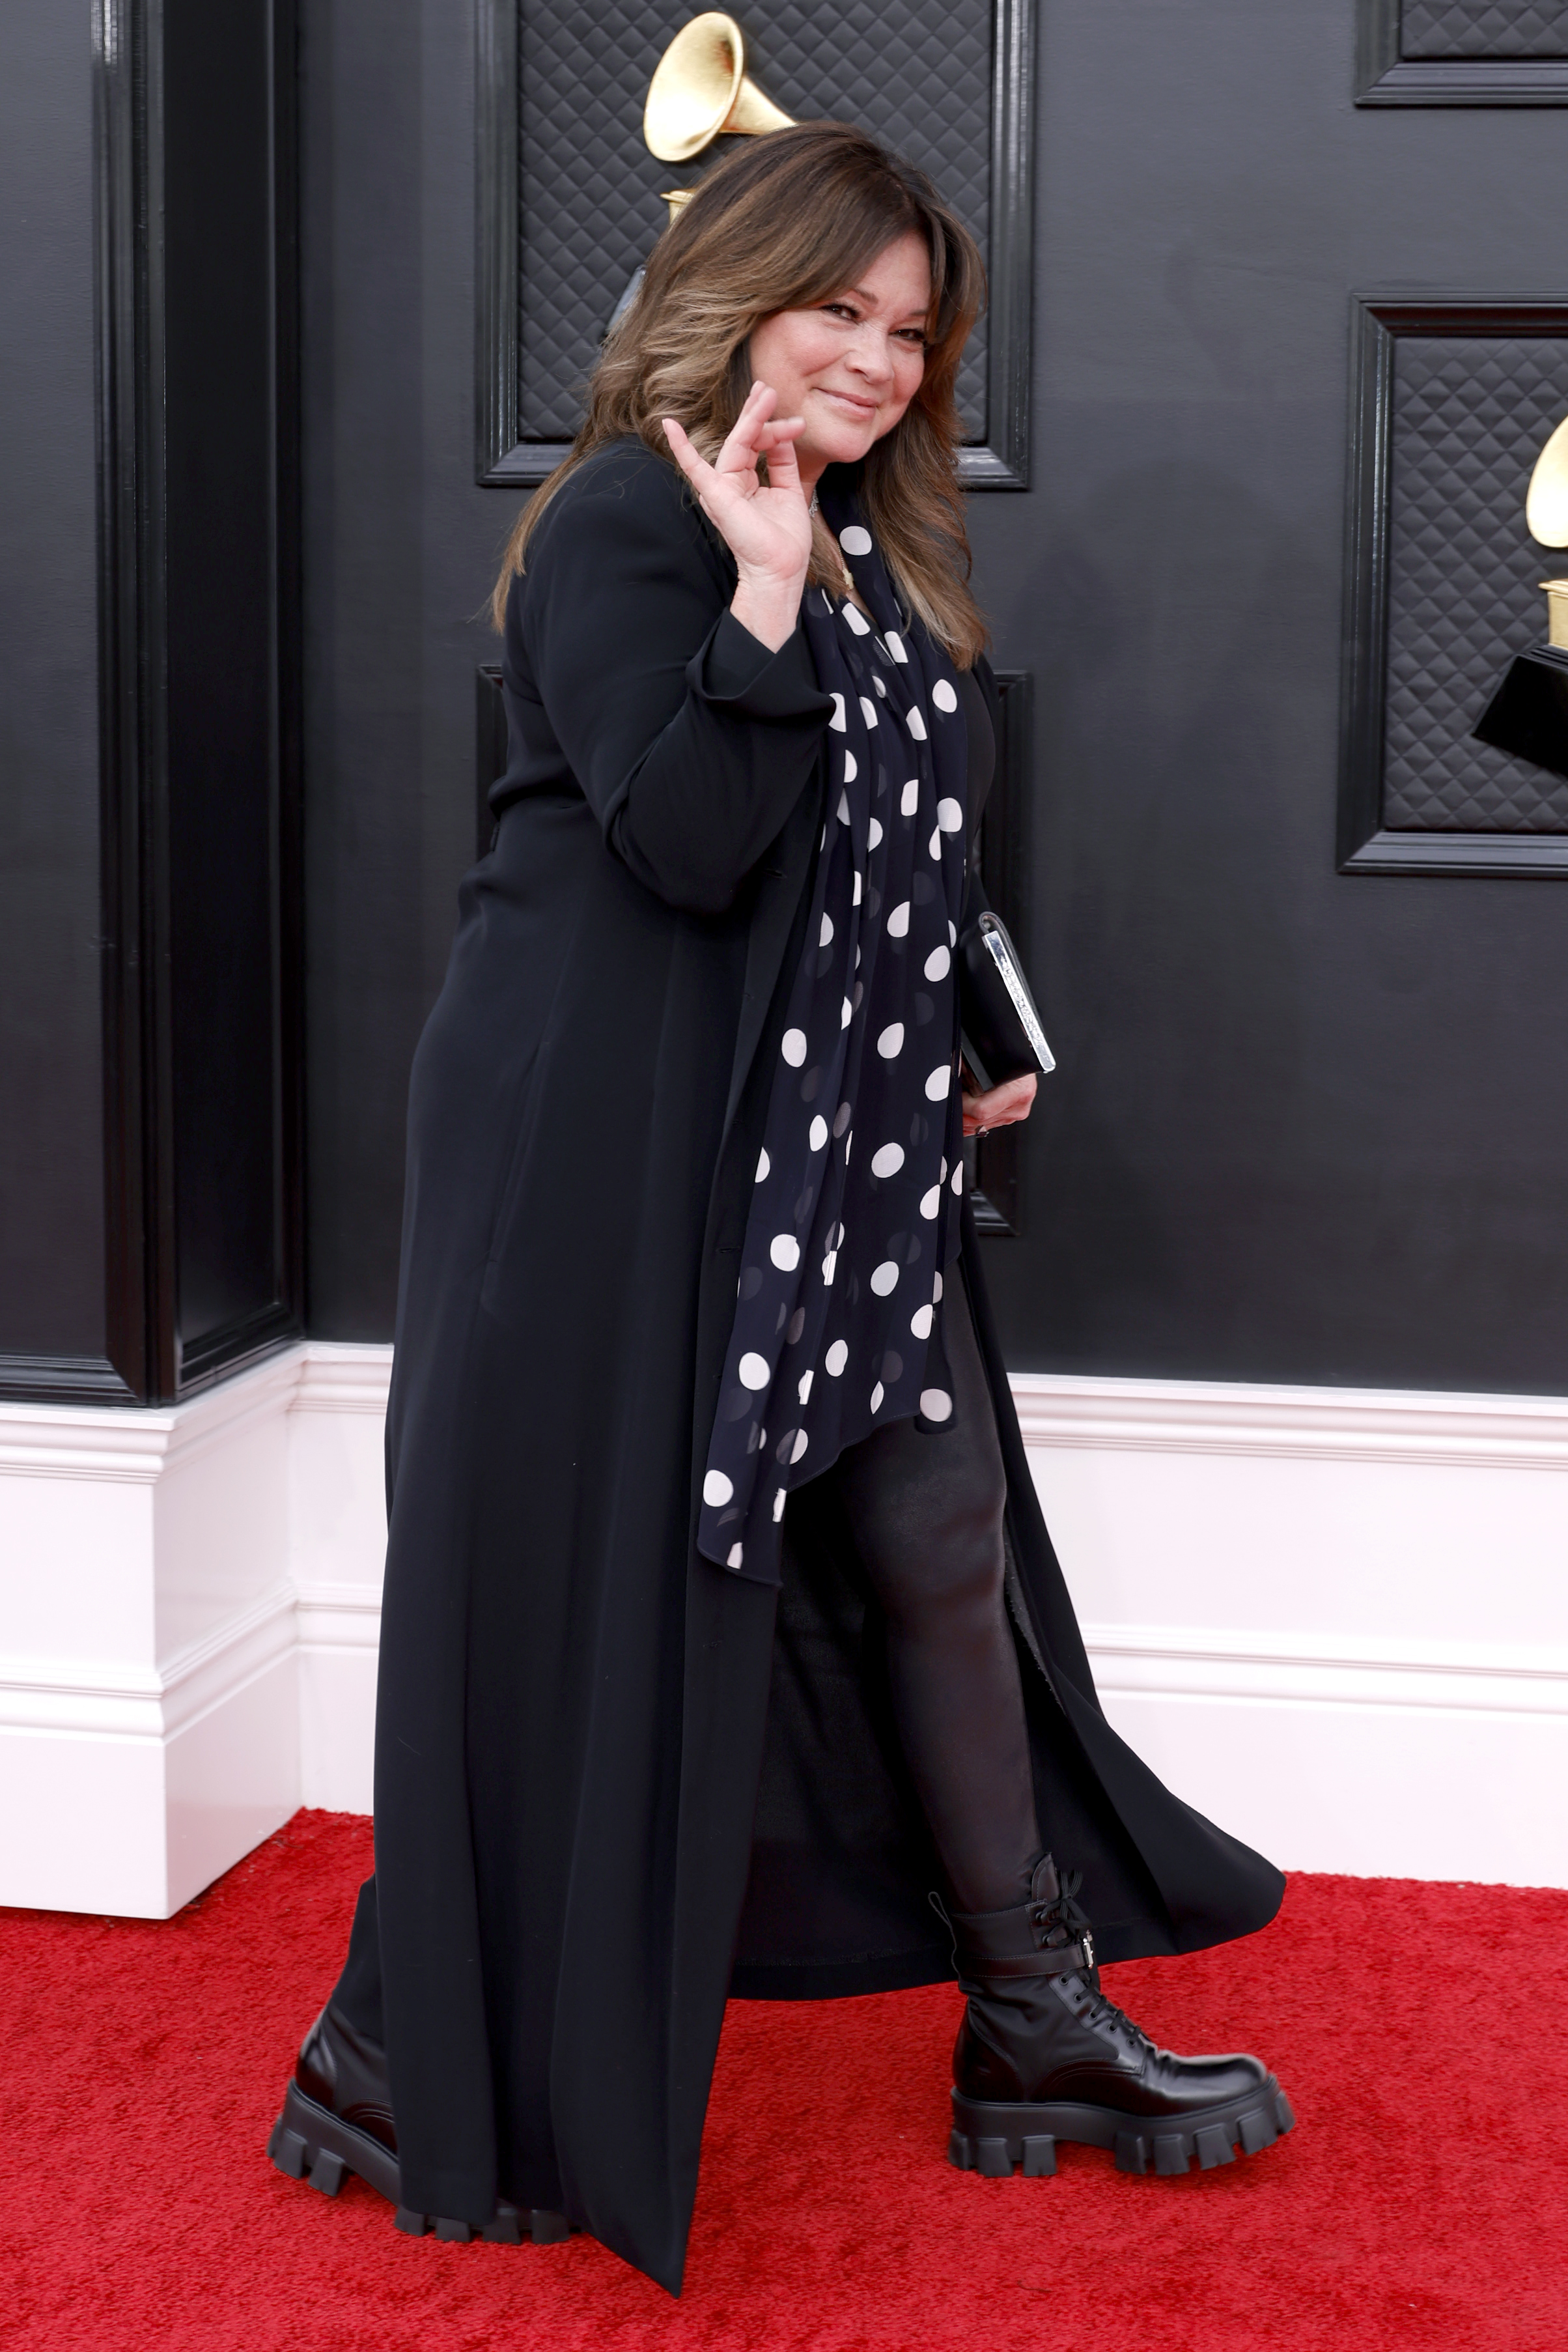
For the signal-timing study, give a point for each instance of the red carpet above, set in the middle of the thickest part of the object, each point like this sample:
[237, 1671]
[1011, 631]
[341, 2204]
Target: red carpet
[1423, 2200]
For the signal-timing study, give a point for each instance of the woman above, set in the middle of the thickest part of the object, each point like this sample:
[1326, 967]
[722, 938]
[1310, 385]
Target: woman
[721, 1626]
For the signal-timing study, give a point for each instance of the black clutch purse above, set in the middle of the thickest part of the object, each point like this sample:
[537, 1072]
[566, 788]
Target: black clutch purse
[1000, 1027]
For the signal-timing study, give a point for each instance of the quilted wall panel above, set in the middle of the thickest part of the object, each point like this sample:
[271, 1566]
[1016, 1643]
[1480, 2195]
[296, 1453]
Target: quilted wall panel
[1469, 415]
[917, 73]
[1483, 28]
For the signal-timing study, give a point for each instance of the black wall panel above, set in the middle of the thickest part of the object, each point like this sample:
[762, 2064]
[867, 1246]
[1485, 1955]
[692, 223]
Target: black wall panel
[149, 1193]
[1305, 1126]
[1452, 402]
[1462, 53]
[1470, 415]
[51, 1129]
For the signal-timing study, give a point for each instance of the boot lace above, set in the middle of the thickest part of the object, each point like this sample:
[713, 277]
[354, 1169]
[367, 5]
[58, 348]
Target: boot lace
[1061, 1921]
[1064, 1921]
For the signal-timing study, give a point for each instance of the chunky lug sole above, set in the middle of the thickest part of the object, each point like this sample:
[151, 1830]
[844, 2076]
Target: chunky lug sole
[993, 2137]
[309, 2143]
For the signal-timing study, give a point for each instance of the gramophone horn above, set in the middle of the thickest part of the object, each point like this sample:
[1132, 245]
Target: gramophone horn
[1546, 508]
[701, 87]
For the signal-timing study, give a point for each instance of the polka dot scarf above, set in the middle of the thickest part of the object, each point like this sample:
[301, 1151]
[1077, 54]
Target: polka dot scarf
[854, 1209]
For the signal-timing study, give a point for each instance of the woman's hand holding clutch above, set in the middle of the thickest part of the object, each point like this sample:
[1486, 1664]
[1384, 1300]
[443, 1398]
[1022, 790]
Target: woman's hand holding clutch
[1001, 1106]
[767, 526]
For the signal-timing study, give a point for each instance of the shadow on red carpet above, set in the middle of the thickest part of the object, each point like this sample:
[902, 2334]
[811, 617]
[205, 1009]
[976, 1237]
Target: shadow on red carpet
[1422, 2202]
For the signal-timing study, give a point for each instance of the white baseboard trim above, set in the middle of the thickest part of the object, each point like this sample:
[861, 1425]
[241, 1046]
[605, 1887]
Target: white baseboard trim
[1209, 1417]
[82, 1699]
[1314, 1670]
[1334, 1620]
[337, 1617]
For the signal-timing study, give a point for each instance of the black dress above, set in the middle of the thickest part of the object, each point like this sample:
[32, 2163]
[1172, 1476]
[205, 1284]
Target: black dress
[614, 1782]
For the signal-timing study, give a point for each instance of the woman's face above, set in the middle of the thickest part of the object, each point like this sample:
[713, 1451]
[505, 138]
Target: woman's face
[852, 365]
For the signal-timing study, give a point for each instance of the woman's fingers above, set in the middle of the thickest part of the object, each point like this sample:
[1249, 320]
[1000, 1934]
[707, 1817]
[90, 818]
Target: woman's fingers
[766, 527]
[783, 467]
[695, 468]
[755, 433]
[1001, 1106]
[744, 441]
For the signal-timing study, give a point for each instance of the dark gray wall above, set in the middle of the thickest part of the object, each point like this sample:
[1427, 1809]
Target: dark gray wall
[1305, 1126]
[400, 552]
[51, 1249]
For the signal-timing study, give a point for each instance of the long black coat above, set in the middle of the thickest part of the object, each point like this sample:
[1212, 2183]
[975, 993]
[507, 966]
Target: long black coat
[580, 1768]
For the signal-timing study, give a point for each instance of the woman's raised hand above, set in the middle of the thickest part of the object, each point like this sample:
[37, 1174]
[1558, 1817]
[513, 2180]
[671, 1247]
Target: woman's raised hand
[767, 528]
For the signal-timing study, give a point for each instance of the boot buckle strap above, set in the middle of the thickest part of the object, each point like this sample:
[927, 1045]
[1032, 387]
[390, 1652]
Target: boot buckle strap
[1053, 1961]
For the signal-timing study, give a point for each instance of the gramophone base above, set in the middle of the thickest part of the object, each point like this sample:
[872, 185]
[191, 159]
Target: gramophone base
[1528, 715]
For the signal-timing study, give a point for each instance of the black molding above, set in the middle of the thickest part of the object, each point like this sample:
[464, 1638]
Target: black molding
[1510, 857]
[1364, 845]
[288, 510]
[999, 463]
[231, 1347]
[139, 1236]
[502, 459]
[63, 1380]
[1002, 462]
[1385, 78]
[148, 1358]
[996, 1169]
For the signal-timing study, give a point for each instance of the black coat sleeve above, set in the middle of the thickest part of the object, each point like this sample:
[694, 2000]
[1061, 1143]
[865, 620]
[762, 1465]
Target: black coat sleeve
[691, 741]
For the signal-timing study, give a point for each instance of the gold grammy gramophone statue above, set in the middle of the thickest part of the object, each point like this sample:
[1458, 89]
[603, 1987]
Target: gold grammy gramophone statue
[1528, 715]
[700, 91]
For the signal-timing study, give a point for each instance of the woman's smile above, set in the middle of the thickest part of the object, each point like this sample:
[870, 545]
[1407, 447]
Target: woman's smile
[856, 404]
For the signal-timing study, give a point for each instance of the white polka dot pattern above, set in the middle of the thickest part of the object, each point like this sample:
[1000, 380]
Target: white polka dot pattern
[840, 1268]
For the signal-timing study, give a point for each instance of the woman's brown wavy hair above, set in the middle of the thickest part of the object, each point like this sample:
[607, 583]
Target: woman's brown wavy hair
[788, 221]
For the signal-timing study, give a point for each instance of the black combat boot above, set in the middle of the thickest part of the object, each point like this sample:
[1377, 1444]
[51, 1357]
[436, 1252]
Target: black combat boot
[337, 2118]
[1042, 2056]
